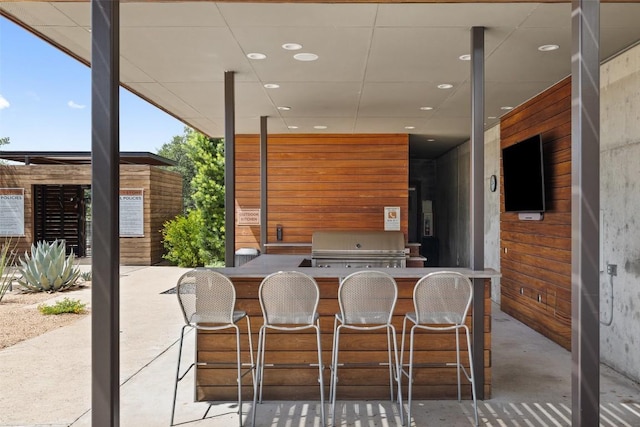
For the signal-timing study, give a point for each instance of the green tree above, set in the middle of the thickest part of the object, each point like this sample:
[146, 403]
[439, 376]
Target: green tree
[208, 194]
[178, 150]
[180, 238]
[197, 237]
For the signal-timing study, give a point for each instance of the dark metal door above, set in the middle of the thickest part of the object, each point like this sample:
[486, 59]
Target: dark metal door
[59, 212]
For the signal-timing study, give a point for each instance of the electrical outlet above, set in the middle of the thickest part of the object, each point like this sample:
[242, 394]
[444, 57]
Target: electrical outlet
[612, 269]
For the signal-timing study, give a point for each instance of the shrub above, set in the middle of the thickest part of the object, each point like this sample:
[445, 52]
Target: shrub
[48, 269]
[7, 258]
[180, 239]
[63, 306]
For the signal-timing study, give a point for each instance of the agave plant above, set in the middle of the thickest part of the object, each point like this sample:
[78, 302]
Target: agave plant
[48, 269]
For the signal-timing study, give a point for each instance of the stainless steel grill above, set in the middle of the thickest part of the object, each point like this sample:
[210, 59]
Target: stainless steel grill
[358, 249]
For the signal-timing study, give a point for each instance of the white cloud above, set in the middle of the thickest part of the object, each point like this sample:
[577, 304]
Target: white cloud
[72, 104]
[3, 103]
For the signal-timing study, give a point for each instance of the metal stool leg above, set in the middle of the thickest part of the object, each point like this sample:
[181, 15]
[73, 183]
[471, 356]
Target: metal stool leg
[410, 389]
[178, 377]
[402, 372]
[239, 368]
[398, 373]
[257, 384]
[390, 365]
[320, 371]
[334, 373]
[473, 376]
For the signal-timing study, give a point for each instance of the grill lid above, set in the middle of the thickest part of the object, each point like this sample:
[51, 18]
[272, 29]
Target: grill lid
[357, 244]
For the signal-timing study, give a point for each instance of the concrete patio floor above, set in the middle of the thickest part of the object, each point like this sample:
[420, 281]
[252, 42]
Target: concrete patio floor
[45, 381]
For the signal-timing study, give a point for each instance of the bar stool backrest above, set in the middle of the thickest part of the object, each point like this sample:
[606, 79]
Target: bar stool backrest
[206, 296]
[367, 297]
[289, 297]
[442, 297]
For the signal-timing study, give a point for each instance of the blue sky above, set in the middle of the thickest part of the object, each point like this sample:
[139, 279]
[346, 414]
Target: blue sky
[45, 101]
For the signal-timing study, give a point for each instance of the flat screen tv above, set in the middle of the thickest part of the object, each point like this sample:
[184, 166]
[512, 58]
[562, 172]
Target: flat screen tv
[523, 176]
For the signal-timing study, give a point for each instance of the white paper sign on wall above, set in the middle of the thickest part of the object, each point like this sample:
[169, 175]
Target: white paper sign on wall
[131, 212]
[11, 212]
[392, 218]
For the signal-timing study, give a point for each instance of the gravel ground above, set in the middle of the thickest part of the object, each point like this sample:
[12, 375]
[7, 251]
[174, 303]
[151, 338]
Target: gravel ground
[21, 320]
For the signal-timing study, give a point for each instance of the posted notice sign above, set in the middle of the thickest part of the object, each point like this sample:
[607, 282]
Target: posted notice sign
[131, 212]
[11, 212]
[392, 218]
[248, 217]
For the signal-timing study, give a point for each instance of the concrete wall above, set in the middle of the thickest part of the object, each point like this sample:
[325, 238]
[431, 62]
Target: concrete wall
[453, 208]
[492, 207]
[620, 204]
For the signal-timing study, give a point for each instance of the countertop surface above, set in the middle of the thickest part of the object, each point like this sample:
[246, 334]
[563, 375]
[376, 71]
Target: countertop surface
[264, 265]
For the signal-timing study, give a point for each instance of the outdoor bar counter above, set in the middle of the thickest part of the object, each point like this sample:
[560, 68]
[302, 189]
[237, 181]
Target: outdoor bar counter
[289, 382]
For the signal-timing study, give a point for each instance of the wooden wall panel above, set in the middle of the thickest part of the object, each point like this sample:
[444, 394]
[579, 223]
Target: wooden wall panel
[165, 202]
[322, 182]
[247, 187]
[535, 256]
[365, 382]
[162, 201]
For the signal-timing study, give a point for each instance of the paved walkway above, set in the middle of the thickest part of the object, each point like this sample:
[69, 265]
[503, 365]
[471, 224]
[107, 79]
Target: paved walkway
[45, 381]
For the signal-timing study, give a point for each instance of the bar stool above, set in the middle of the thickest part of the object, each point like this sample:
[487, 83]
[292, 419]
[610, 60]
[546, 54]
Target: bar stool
[289, 301]
[367, 299]
[441, 301]
[207, 300]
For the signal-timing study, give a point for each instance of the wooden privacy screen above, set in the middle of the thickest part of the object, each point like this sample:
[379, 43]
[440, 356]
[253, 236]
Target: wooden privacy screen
[59, 213]
[360, 383]
[535, 256]
[322, 182]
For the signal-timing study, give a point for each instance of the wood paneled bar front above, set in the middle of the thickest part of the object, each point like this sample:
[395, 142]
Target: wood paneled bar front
[364, 381]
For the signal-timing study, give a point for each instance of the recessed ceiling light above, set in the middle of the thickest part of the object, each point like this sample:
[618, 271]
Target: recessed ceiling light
[431, 140]
[409, 127]
[506, 108]
[305, 56]
[271, 86]
[284, 108]
[292, 46]
[256, 55]
[445, 86]
[548, 47]
[292, 127]
[491, 117]
[465, 57]
[426, 108]
[319, 127]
